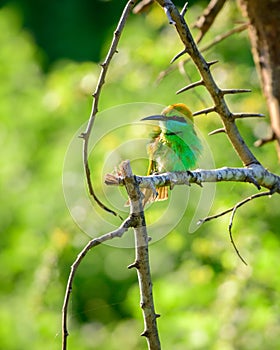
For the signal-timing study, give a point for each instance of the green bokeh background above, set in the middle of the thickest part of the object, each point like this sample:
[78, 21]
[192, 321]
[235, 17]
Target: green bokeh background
[206, 297]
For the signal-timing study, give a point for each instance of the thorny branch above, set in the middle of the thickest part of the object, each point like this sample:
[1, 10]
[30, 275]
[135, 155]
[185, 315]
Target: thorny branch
[141, 262]
[86, 137]
[217, 94]
[218, 39]
[91, 244]
[96, 95]
[136, 220]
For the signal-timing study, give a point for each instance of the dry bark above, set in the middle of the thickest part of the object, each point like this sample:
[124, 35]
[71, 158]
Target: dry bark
[264, 32]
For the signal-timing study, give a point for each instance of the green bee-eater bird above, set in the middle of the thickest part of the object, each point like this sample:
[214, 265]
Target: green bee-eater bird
[175, 145]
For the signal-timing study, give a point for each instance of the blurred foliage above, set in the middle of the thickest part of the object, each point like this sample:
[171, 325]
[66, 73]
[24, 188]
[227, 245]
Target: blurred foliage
[206, 297]
[68, 28]
[71, 29]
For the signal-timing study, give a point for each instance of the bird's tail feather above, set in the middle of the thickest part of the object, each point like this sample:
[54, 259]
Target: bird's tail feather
[149, 195]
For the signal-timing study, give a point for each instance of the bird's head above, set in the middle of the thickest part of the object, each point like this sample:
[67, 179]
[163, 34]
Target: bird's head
[178, 109]
[173, 117]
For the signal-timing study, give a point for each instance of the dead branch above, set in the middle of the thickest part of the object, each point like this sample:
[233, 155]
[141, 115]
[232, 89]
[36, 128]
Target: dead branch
[141, 262]
[264, 34]
[96, 95]
[261, 142]
[233, 212]
[91, 244]
[208, 16]
[255, 174]
[142, 6]
[136, 220]
[238, 205]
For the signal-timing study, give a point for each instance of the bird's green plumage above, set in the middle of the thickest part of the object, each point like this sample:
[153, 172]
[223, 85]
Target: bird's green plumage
[175, 146]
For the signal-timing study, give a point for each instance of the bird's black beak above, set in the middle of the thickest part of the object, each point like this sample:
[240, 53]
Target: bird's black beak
[155, 117]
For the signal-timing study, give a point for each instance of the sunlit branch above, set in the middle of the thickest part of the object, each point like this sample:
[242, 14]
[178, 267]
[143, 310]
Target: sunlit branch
[254, 174]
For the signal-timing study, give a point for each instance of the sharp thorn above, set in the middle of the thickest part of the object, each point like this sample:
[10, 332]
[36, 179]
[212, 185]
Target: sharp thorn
[145, 334]
[135, 265]
[217, 131]
[184, 9]
[234, 91]
[211, 63]
[205, 111]
[82, 135]
[190, 86]
[200, 222]
[247, 115]
[178, 56]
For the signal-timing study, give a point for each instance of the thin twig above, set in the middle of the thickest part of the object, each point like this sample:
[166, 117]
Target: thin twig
[265, 140]
[212, 217]
[142, 6]
[96, 95]
[93, 243]
[233, 212]
[208, 16]
[238, 205]
[215, 216]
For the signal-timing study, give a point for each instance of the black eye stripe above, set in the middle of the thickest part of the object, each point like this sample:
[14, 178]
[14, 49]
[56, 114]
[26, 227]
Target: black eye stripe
[173, 133]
